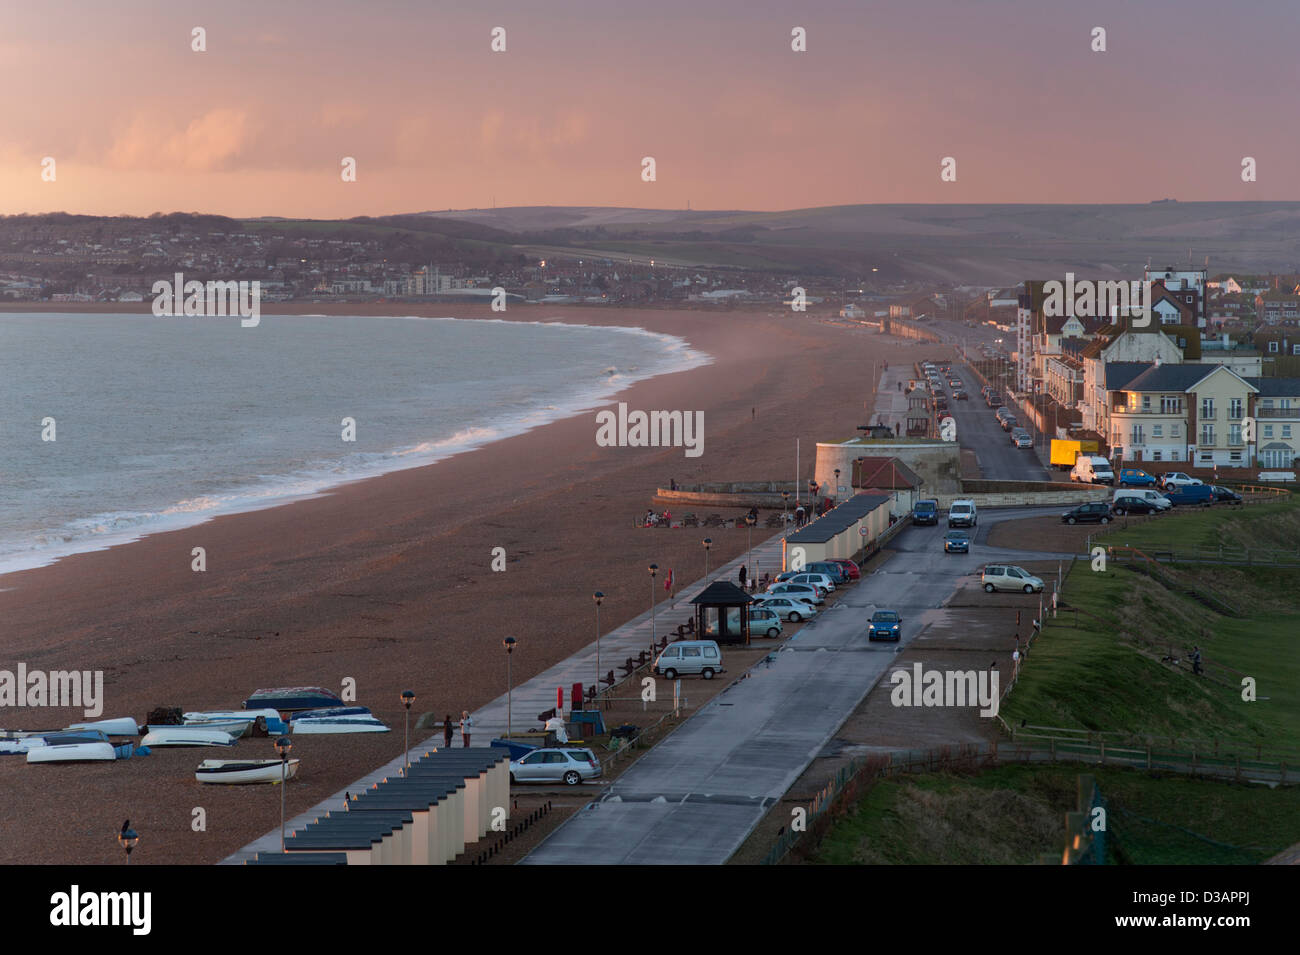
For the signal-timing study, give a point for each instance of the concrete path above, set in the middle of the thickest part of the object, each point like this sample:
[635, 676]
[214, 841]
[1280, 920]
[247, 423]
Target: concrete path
[694, 798]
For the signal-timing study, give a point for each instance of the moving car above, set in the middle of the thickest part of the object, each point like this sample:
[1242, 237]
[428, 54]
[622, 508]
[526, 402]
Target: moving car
[962, 513]
[689, 657]
[1010, 577]
[566, 764]
[956, 542]
[925, 512]
[1021, 438]
[885, 625]
[1096, 513]
[1135, 477]
[1223, 495]
[791, 608]
[994, 399]
[959, 394]
[1177, 479]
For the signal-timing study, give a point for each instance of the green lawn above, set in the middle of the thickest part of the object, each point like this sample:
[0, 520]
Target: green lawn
[1094, 677]
[1012, 814]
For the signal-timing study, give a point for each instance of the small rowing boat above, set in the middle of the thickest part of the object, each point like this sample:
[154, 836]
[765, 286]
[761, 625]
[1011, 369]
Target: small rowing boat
[186, 736]
[290, 699]
[71, 753]
[125, 726]
[239, 771]
[337, 719]
[271, 718]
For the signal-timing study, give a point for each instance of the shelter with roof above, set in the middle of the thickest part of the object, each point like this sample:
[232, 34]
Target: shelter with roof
[841, 532]
[722, 613]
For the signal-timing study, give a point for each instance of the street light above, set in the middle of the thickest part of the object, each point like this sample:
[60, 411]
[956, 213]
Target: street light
[654, 570]
[785, 500]
[282, 746]
[509, 643]
[708, 542]
[598, 597]
[127, 839]
[837, 484]
[750, 521]
[408, 697]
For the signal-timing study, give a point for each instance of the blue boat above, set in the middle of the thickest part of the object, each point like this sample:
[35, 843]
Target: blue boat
[291, 699]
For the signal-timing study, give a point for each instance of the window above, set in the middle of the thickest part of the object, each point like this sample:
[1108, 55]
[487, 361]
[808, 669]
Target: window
[1234, 409]
[1207, 408]
[1146, 402]
[1174, 431]
[1170, 404]
[1175, 456]
[555, 758]
[1266, 403]
[1207, 457]
[1268, 431]
[690, 651]
[533, 758]
[710, 653]
[1272, 347]
[1295, 349]
[1207, 434]
[1157, 431]
[1138, 436]
[1286, 431]
[1235, 456]
[1155, 455]
[1234, 434]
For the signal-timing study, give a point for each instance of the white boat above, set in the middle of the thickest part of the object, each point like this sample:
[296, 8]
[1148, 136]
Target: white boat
[186, 736]
[344, 719]
[235, 728]
[274, 724]
[19, 743]
[71, 753]
[239, 771]
[119, 727]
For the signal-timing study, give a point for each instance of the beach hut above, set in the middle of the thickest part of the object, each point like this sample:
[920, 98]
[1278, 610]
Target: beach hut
[722, 613]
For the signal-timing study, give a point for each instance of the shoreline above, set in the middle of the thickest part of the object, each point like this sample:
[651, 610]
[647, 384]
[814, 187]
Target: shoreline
[387, 581]
[674, 351]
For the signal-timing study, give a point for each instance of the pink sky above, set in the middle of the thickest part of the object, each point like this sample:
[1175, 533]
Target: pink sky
[258, 124]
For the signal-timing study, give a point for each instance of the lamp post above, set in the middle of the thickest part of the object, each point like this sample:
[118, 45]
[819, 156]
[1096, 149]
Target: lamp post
[654, 570]
[785, 501]
[509, 643]
[708, 542]
[750, 521]
[127, 839]
[837, 484]
[598, 597]
[282, 746]
[408, 697]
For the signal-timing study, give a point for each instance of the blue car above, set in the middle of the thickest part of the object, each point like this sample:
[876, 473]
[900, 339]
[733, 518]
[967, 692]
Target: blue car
[1135, 477]
[925, 512]
[885, 625]
[956, 542]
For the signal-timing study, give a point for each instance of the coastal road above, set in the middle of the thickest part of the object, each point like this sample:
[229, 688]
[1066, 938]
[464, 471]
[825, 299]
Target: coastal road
[979, 430]
[694, 798]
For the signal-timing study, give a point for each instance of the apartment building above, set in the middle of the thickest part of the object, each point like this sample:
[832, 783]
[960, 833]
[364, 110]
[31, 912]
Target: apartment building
[1192, 413]
[1277, 423]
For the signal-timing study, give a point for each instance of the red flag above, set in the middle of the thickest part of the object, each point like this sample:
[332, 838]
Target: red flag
[668, 581]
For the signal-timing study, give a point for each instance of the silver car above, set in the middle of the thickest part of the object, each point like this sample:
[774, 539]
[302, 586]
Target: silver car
[561, 764]
[810, 592]
[790, 608]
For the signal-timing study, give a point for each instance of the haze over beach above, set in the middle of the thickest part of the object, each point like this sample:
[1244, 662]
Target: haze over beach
[626, 435]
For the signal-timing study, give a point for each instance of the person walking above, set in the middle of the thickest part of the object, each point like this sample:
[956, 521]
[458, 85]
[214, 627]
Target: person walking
[741, 575]
[447, 729]
[1196, 660]
[466, 727]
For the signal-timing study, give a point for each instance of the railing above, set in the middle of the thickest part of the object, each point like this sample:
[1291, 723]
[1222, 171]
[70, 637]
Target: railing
[1293, 413]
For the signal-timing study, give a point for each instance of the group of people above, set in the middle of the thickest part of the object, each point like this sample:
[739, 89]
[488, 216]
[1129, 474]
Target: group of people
[466, 727]
[658, 520]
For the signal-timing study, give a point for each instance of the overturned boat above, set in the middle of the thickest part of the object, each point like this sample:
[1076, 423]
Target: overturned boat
[186, 736]
[241, 771]
[265, 718]
[290, 699]
[336, 719]
[125, 726]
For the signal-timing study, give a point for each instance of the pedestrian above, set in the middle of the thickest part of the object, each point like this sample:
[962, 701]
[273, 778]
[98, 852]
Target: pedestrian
[741, 575]
[1196, 660]
[466, 727]
[798, 516]
[753, 413]
[447, 729]
[672, 484]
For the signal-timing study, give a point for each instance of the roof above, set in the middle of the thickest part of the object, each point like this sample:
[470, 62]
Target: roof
[722, 593]
[837, 521]
[1276, 387]
[884, 472]
[1169, 377]
[1120, 373]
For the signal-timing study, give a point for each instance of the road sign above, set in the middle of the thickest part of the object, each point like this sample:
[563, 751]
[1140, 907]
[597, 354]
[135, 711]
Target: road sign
[864, 531]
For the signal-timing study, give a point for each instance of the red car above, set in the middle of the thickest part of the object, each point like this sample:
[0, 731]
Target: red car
[850, 568]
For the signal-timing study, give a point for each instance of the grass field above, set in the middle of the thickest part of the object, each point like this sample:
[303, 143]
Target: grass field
[1011, 814]
[1095, 677]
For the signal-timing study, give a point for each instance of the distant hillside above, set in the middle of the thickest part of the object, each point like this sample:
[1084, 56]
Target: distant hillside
[957, 243]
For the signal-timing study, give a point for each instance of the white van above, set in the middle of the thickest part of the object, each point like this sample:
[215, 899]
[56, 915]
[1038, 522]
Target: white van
[1092, 469]
[686, 657]
[1145, 494]
[962, 513]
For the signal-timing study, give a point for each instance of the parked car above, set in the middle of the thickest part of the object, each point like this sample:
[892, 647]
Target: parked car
[689, 658]
[791, 608]
[1135, 505]
[809, 592]
[1097, 513]
[1010, 577]
[925, 512]
[956, 542]
[816, 579]
[1177, 479]
[1155, 498]
[994, 399]
[885, 625]
[1190, 495]
[1092, 469]
[828, 567]
[1021, 438]
[766, 621]
[1009, 422]
[569, 765]
[962, 513]
[1135, 477]
[1223, 495]
[851, 569]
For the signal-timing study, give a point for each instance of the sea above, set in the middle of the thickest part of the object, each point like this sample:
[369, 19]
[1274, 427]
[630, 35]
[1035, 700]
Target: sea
[161, 423]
